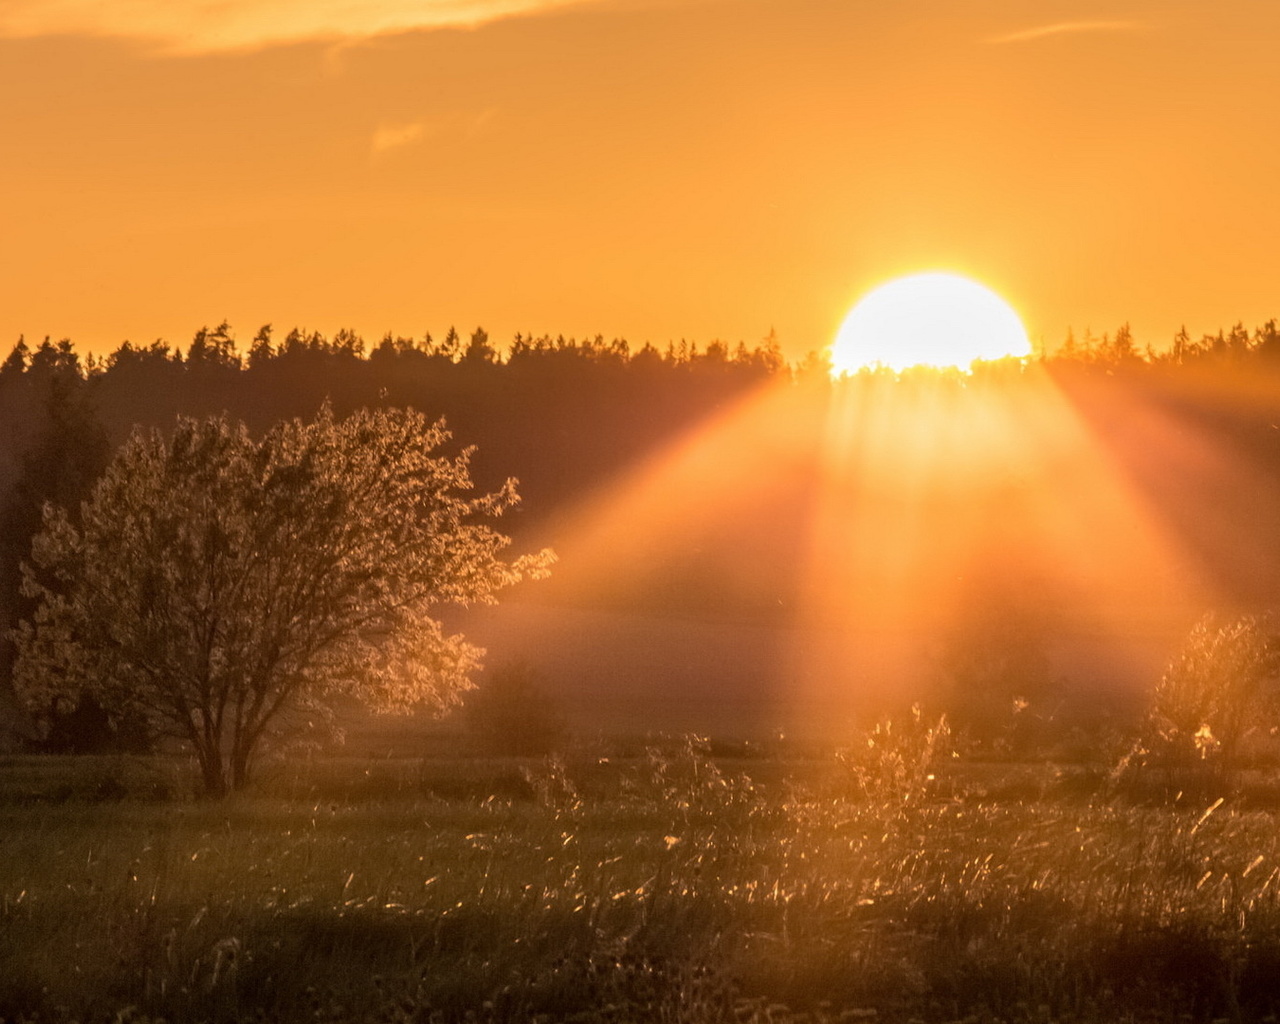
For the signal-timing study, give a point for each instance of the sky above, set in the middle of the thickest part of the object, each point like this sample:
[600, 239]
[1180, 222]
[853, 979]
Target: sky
[655, 170]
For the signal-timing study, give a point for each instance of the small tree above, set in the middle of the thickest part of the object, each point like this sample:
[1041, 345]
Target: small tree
[226, 590]
[1218, 687]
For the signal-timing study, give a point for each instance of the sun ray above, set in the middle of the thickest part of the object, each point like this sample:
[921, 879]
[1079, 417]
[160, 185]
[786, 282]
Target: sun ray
[804, 556]
[940, 495]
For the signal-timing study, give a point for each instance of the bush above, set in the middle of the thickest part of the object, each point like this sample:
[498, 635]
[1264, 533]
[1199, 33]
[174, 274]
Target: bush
[1218, 690]
[895, 762]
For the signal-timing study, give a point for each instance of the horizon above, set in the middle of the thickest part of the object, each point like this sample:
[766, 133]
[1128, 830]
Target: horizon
[1073, 346]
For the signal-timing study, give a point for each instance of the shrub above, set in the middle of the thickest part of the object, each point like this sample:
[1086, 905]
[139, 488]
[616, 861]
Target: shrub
[1218, 689]
[895, 762]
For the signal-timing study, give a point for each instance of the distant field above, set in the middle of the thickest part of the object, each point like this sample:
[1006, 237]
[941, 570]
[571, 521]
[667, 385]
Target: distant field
[666, 887]
[619, 671]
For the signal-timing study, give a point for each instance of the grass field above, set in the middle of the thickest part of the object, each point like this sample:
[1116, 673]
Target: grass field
[669, 887]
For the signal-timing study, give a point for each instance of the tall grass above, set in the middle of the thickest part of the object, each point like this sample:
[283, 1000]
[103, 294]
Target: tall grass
[666, 888]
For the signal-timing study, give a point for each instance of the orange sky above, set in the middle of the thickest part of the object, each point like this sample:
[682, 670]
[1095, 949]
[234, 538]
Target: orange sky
[653, 169]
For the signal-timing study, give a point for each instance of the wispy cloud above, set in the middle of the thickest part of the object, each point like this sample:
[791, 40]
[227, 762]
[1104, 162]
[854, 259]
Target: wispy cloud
[1059, 28]
[387, 137]
[199, 26]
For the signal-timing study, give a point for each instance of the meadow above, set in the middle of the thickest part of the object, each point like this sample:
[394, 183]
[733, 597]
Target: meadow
[672, 884]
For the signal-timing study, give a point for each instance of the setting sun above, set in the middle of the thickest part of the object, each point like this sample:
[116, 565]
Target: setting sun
[932, 319]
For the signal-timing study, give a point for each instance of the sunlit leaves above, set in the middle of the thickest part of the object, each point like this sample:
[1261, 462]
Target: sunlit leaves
[221, 586]
[1220, 687]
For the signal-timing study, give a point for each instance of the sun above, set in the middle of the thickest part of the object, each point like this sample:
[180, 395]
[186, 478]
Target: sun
[933, 319]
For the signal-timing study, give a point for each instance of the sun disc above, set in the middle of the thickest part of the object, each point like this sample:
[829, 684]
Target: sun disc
[933, 319]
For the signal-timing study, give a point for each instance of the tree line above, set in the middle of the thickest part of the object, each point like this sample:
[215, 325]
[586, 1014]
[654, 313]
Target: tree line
[562, 415]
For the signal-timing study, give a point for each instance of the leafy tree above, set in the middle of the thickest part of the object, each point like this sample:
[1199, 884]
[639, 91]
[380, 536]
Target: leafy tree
[213, 350]
[1217, 688]
[1267, 343]
[260, 351]
[229, 589]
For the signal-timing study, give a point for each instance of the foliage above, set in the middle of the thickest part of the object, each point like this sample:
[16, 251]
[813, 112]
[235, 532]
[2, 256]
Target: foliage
[227, 590]
[87, 728]
[511, 713]
[1217, 690]
[569, 415]
[679, 779]
[64, 451]
[894, 764]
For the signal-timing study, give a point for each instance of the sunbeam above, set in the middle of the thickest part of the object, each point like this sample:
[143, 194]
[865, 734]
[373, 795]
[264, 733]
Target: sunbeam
[944, 501]
[822, 549]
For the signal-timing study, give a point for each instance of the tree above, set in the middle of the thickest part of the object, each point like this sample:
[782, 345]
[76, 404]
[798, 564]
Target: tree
[67, 450]
[15, 363]
[1217, 688]
[229, 589]
[480, 349]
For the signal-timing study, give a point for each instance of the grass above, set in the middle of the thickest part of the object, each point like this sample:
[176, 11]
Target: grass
[668, 887]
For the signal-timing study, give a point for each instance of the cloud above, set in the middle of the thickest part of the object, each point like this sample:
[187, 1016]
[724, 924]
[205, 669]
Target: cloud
[201, 26]
[394, 136]
[1059, 28]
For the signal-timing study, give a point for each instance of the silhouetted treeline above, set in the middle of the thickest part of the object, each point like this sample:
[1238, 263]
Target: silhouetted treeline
[558, 413]
[1259, 349]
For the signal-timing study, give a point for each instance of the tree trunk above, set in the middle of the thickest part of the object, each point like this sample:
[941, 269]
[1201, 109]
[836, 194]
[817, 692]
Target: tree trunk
[215, 780]
[212, 776]
[239, 767]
